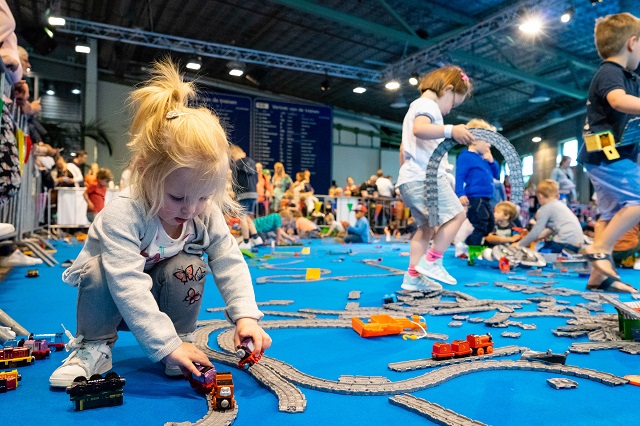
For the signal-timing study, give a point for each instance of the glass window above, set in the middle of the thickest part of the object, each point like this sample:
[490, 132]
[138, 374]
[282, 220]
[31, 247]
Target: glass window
[570, 149]
[527, 168]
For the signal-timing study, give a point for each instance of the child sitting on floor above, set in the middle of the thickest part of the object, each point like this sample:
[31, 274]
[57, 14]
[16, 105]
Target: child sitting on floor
[554, 218]
[358, 233]
[274, 223]
[505, 214]
[335, 227]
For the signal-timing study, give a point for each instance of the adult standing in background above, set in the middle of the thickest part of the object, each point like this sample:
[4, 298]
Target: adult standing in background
[564, 176]
[76, 166]
[281, 183]
[264, 189]
[351, 189]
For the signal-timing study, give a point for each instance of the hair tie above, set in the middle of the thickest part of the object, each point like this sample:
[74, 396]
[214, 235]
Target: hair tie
[175, 114]
[464, 76]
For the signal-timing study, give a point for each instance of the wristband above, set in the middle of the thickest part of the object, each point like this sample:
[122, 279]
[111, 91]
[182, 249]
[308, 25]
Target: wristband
[447, 131]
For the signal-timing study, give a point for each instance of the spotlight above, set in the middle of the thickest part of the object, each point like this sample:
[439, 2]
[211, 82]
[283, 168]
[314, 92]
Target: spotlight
[76, 91]
[531, 25]
[194, 64]
[326, 85]
[359, 89]
[56, 21]
[536, 139]
[236, 69]
[567, 15]
[392, 85]
[82, 47]
[50, 91]
[414, 79]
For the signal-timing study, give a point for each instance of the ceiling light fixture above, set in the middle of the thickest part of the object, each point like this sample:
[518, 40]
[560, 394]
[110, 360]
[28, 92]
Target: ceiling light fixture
[392, 85]
[359, 89]
[414, 79]
[82, 47]
[531, 25]
[400, 102]
[236, 68]
[567, 15]
[539, 95]
[326, 85]
[536, 139]
[76, 91]
[56, 21]
[194, 64]
[50, 91]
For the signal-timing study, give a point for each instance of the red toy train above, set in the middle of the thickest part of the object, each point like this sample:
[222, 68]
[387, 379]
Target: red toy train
[219, 385]
[474, 345]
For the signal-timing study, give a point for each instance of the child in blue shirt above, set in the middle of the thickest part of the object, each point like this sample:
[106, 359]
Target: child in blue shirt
[358, 233]
[475, 171]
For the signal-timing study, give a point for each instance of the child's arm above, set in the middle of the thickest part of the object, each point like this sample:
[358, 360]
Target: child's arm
[541, 225]
[498, 239]
[424, 129]
[280, 234]
[85, 194]
[623, 102]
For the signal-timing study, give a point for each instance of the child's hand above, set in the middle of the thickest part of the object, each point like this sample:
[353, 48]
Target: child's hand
[184, 357]
[464, 201]
[345, 224]
[246, 327]
[514, 238]
[461, 134]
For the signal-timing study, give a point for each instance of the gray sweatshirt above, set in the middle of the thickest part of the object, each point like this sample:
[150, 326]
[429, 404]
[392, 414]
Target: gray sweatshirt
[118, 234]
[556, 216]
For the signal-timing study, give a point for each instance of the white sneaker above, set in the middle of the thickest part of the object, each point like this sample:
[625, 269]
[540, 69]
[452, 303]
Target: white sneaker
[18, 258]
[435, 271]
[245, 246]
[174, 370]
[257, 241]
[418, 283]
[86, 360]
[461, 249]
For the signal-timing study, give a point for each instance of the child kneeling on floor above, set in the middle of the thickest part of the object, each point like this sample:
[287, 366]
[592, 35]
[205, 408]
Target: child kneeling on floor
[142, 263]
[554, 218]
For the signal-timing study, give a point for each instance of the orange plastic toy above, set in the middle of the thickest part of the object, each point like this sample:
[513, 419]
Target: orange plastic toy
[385, 325]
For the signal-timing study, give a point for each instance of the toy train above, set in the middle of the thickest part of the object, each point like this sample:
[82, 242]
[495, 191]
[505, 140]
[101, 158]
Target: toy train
[53, 340]
[473, 345]
[219, 385]
[13, 357]
[9, 380]
[97, 391]
[245, 351]
[39, 348]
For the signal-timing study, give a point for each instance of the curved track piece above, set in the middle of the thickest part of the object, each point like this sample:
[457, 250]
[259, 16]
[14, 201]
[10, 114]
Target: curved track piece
[496, 140]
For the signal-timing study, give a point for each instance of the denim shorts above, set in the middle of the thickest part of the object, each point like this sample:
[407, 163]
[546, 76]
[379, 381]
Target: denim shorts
[414, 197]
[616, 185]
[248, 205]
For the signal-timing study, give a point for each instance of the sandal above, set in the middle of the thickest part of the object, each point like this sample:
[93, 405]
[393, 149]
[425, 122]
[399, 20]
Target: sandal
[596, 257]
[607, 285]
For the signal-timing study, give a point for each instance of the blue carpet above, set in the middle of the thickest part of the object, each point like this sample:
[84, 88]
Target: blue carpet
[493, 397]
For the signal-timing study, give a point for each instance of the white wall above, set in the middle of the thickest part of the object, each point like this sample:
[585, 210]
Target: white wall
[359, 163]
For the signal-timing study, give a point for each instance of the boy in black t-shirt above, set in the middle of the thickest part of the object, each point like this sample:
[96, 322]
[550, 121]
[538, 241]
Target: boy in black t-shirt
[613, 100]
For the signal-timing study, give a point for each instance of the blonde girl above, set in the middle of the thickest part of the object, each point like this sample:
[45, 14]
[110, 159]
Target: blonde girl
[422, 130]
[142, 263]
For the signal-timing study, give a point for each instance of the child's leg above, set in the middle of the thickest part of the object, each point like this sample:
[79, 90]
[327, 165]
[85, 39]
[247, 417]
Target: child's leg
[178, 285]
[480, 215]
[419, 244]
[98, 316]
[447, 231]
